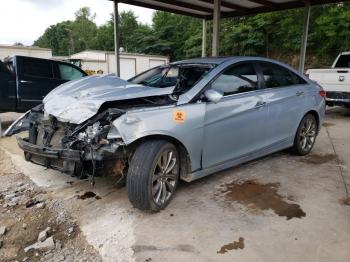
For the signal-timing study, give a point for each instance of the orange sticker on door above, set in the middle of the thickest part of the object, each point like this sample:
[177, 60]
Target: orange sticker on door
[179, 116]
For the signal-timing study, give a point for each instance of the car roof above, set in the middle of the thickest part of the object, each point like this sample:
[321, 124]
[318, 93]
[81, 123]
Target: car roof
[220, 60]
[204, 60]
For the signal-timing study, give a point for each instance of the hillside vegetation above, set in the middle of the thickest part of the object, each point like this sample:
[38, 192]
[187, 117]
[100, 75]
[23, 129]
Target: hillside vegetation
[276, 35]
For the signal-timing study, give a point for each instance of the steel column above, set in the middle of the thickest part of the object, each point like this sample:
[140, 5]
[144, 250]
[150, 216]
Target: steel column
[204, 39]
[216, 27]
[116, 38]
[304, 39]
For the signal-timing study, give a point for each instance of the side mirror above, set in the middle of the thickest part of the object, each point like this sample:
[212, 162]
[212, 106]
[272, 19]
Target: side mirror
[213, 95]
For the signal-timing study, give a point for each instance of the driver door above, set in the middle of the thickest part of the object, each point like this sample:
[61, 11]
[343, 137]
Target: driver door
[236, 125]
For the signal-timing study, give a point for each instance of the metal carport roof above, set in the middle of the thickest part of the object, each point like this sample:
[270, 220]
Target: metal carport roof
[229, 8]
[217, 9]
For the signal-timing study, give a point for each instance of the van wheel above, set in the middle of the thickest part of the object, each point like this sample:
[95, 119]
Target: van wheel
[153, 175]
[306, 136]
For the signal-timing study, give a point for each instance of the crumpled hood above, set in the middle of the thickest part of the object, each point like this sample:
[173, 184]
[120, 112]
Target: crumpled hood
[79, 100]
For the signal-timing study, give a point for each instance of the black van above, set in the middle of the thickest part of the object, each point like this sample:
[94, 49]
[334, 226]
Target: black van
[25, 81]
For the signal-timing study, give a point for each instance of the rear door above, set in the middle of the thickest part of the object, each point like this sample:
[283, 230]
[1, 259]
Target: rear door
[235, 126]
[287, 97]
[35, 80]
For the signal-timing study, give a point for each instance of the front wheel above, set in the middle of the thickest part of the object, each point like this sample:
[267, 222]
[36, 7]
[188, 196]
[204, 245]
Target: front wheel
[306, 136]
[153, 175]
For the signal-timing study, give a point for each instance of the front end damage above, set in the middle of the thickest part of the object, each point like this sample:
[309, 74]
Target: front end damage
[79, 150]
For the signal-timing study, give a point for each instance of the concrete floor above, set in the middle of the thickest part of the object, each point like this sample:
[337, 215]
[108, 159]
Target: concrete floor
[205, 218]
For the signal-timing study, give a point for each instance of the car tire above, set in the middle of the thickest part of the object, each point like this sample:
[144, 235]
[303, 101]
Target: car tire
[153, 175]
[306, 136]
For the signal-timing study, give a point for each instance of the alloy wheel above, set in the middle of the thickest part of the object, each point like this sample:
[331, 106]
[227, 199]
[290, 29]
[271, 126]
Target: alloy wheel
[164, 177]
[308, 134]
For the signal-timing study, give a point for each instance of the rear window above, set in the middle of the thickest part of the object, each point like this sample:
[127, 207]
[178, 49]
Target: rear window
[276, 76]
[37, 68]
[343, 62]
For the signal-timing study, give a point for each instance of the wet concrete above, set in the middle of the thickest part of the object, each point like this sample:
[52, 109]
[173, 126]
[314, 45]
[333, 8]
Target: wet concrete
[89, 194]
[231, 246]
[198, 223]
[318, 159]
[262, 197]
[327, 124]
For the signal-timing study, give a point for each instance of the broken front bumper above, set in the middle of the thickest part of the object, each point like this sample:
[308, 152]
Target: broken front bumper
[70, 161]
[65, 160]
[48, 152]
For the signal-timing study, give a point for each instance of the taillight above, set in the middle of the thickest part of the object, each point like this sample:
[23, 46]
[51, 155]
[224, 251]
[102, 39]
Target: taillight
[322, 93]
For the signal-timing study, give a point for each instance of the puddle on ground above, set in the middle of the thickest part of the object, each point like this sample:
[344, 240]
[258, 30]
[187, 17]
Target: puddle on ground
[89, 194]
[231, 246]
[262, 197]
[345, 201]
[317, 159]
[326, 124]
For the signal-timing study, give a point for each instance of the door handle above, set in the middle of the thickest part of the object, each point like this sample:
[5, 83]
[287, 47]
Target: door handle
[299, 93]
[25, 81]
[260, 104]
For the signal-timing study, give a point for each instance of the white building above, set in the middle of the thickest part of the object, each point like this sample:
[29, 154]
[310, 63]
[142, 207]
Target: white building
[9, 50]
[94, 61]
[131, 64]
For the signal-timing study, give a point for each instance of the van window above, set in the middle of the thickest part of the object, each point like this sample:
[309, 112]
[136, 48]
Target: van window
[68, 72]
[37, 68]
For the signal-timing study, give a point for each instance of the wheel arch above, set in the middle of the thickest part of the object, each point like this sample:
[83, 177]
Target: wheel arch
[185, 158]
[315, 114]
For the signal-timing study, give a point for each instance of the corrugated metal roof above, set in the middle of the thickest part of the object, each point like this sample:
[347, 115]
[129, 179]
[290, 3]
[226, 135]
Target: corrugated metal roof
[229, 8]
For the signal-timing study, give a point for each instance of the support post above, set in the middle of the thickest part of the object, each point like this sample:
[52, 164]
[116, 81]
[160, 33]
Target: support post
[204, 39]
[304, 38]
[216, 27]
[116, 38]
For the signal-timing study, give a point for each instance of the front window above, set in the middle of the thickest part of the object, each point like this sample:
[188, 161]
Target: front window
[183, 77]
[237, 79]
[68, 72]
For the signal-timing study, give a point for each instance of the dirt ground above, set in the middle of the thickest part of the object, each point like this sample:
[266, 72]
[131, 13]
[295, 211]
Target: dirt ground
[25, 211]
[278, 208]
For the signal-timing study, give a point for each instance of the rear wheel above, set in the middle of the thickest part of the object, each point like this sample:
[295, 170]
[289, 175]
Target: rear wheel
[306, 135]
[153, 175]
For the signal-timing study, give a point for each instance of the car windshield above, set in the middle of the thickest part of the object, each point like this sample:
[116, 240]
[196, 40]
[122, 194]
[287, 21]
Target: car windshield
[183, 77]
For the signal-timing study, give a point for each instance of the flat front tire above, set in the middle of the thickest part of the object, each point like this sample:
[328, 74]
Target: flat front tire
[153, 175]
[306, 135]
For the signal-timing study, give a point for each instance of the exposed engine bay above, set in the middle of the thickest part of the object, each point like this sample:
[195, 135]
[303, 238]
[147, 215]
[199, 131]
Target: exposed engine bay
[88, 149]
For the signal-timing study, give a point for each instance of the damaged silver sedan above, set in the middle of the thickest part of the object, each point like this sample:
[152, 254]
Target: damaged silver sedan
[179, 121]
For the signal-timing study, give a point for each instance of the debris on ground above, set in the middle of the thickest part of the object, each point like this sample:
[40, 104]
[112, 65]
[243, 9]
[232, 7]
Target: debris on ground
[3, 230]
[44, 234]
[34, 227]
[47, 244]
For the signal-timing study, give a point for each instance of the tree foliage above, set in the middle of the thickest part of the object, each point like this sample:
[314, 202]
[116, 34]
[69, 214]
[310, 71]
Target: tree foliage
[276, 35]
